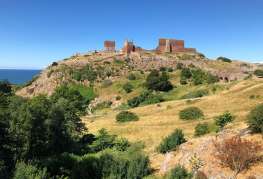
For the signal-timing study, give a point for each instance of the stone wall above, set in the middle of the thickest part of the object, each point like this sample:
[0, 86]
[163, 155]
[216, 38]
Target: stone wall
[172, 46]
[109, 46]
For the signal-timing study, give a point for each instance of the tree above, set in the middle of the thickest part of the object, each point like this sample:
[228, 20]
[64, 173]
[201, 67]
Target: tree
[30, 126]
[6, 154]
[103, 140]
[75, 99]
[5, 87]
[255, 119]
[157, 82]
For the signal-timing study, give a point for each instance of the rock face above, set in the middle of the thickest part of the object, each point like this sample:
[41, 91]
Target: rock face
[142, 60]
[203, 149]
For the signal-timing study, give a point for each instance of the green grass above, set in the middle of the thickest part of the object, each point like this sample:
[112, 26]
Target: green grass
[87, 92]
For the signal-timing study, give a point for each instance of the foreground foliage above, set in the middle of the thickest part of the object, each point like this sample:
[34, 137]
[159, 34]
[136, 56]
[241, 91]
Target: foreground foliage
[172, 141]
[237, 153]
[255, 119]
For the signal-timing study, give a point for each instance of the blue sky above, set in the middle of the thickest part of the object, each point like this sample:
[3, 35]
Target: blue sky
[34, 33]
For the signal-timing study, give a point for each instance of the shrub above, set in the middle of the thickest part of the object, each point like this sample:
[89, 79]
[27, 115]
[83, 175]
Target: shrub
[179, 172]
[126, 116]
[179, 66]
[5, 87]
[236, 153]
[103, 105]
[103, 140]
[172, 141]
[223, 119]
[27, 171]
[86, 73]
[258, 73]
[146, 97]
[196, 94]
[87, 167]
[162, 69]
[124, 164]
[118, 98]
[106, 83]
[199, 76]
[131, 76]
[201, 129]
[170, 69]
[224, 59]
[186, 73]
[255, 119]
[54, 64]
[157, 82]
[191, 113]
[127, 87]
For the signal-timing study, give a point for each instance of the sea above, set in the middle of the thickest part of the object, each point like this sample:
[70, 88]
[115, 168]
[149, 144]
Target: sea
[18, 76]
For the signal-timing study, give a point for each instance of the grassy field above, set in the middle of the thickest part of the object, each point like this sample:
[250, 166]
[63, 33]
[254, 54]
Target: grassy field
[158, 121]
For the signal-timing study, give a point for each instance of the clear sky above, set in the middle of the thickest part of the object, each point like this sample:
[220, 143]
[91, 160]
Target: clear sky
[34, 33]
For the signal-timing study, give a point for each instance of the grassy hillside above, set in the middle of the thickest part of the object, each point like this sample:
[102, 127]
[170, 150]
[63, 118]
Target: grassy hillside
[158, 121]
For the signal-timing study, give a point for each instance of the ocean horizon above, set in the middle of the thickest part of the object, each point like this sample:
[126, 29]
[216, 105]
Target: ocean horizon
[18, 76]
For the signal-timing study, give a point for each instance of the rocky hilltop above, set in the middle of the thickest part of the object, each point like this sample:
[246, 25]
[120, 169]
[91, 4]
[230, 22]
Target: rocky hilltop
[119, 64]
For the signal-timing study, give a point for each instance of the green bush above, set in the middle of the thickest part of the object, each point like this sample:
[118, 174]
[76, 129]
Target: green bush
[191, 113]
[224, 59]
[197, 76]
[126, 116]
[87, 167]
[224, 119]
[170, 69]
[196, 94]
[158, 82]
[130, 164]
[127, 87]
[201, 129]
[146, 97]
[103, 140]
[86, 73]
[5, 87]
[258, 73]
[255, 119]
[179, 172]
[27, 171]
[172, 141]
[186, 73]
[131, 76]
[179, 66]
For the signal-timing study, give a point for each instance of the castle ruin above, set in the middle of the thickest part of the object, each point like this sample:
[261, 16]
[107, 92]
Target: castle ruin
[109, 46]
[164, 46]
[173, 46]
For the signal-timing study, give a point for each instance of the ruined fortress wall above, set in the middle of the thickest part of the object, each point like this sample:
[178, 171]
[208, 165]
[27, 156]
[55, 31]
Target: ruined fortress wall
[172, 46]
[109, 45]
[128, 47]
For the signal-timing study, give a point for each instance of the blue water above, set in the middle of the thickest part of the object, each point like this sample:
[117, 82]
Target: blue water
[18, 76]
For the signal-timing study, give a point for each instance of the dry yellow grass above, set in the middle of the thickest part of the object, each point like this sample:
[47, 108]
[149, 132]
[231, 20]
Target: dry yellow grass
[156, 122]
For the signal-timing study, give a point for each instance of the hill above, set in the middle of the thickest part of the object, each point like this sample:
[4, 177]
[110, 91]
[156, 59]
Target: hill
[101, 77]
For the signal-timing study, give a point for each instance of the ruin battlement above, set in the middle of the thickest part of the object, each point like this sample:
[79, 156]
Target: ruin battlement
[164, 46]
